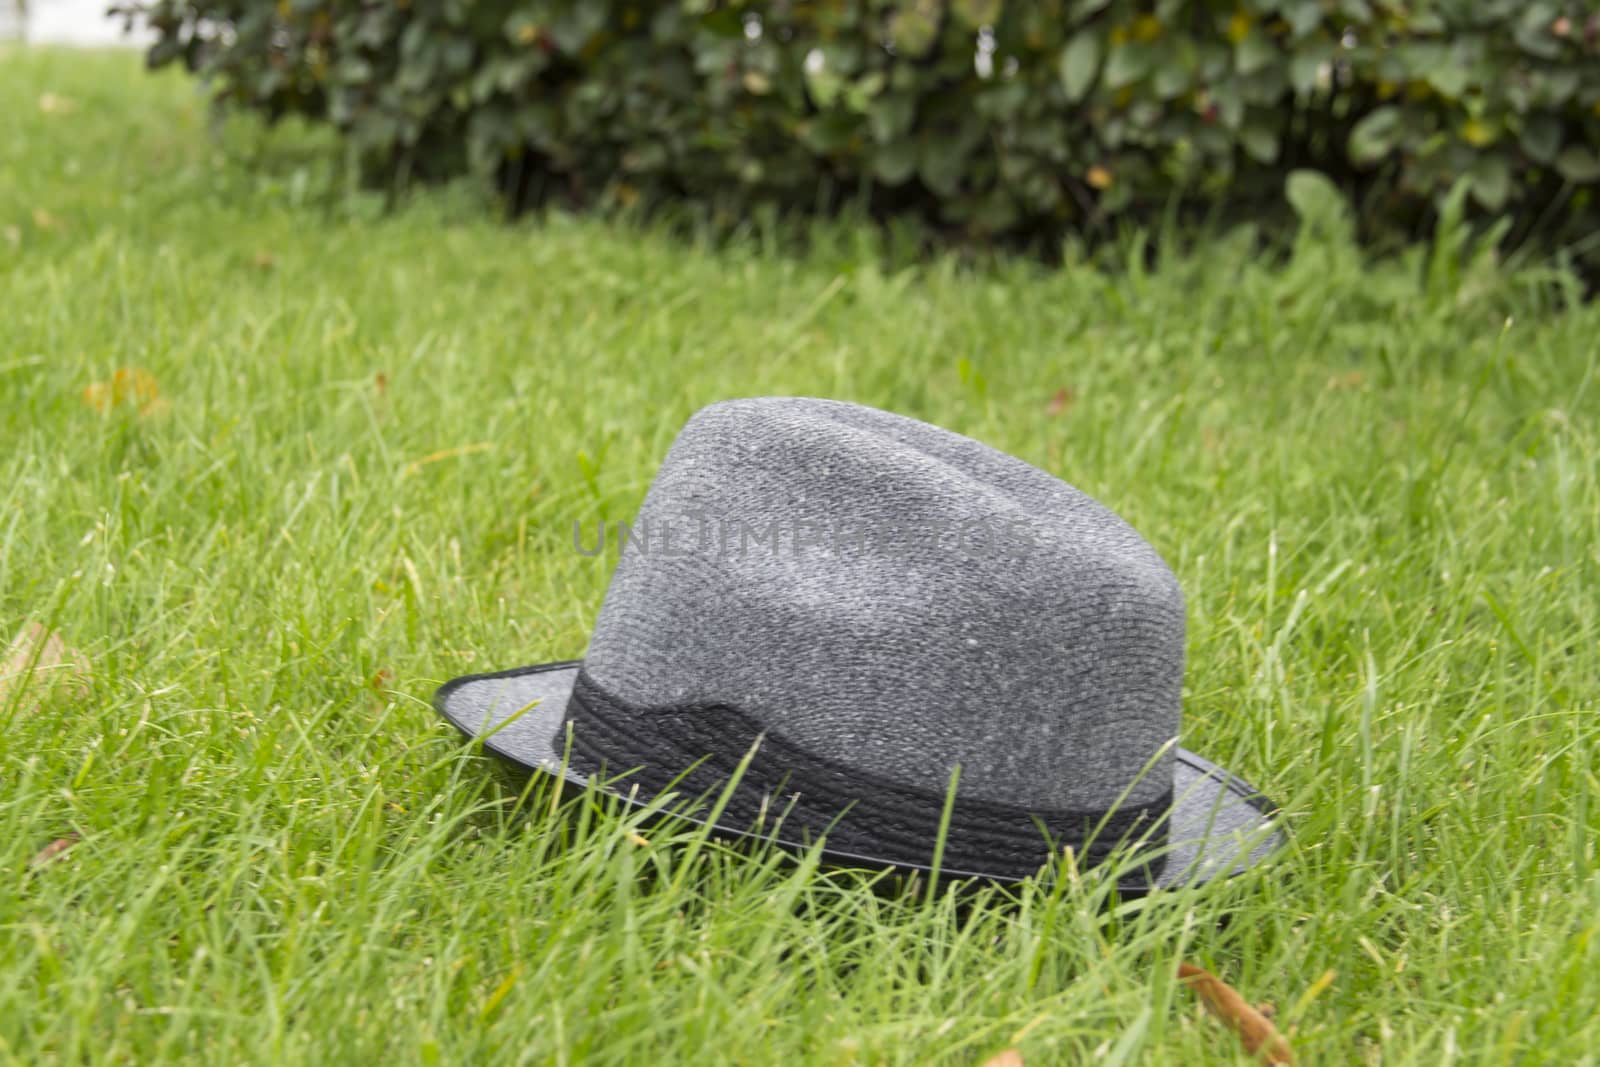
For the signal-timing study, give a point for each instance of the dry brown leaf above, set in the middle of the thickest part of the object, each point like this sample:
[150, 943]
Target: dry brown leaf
[44, 220]
[1259, 1036]
[53, 851]
[382, 383]
[44, 662]
[1009, 1058]
[55, 104]
[1063, 399]
[263, 261]
[1349, 380]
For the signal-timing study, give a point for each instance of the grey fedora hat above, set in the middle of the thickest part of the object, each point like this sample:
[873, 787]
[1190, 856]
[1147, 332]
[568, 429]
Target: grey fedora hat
[859, 609]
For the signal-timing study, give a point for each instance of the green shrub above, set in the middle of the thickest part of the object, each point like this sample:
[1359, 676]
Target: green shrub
[991, 117]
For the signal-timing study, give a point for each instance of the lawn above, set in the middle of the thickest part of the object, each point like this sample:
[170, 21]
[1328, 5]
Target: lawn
[343, 462]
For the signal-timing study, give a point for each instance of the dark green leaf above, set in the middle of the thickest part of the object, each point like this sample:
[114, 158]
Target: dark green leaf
[1003, 101]
[1450, 80]
[1127, 63]
[1305, 66]
[1541, 137]
[1491, 181]
[894, 163]
[823, 84]
[1314, 198]
[1230, 104]
[353, 70]
[914, 27]
[1375, 136]
[163, 52]
[1079, 63]
[1303, 16]
[1533, 34]
[1558, 84]
[975, 13]
[1260, 140]
[859, 94]
[1255, 52]
[1214, 59]
[1578, 164]
[1145, 113]
[829, 132]
[573, 28]
[1172, 77]
[891, 115]
[940, 165]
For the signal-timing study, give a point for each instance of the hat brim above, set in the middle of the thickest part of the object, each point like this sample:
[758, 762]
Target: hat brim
[1218, 826]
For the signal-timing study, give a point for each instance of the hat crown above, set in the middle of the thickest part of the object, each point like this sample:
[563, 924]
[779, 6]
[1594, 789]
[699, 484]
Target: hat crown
[898, 599]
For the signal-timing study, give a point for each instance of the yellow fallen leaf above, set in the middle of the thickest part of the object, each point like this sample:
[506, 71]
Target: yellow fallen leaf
[500, 993]
[445, 453]
[1255, 1031]
[1476, 133]
[1315, 990]
[1145, 28]
[131, 382]
[129, 385]
[39, 664]
[1009, 1058]
[98, 396]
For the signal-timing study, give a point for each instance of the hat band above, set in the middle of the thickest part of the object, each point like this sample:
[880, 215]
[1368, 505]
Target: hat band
[696, 748]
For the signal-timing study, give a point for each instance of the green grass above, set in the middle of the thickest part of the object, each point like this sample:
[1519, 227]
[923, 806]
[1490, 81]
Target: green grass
[1377, 483]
